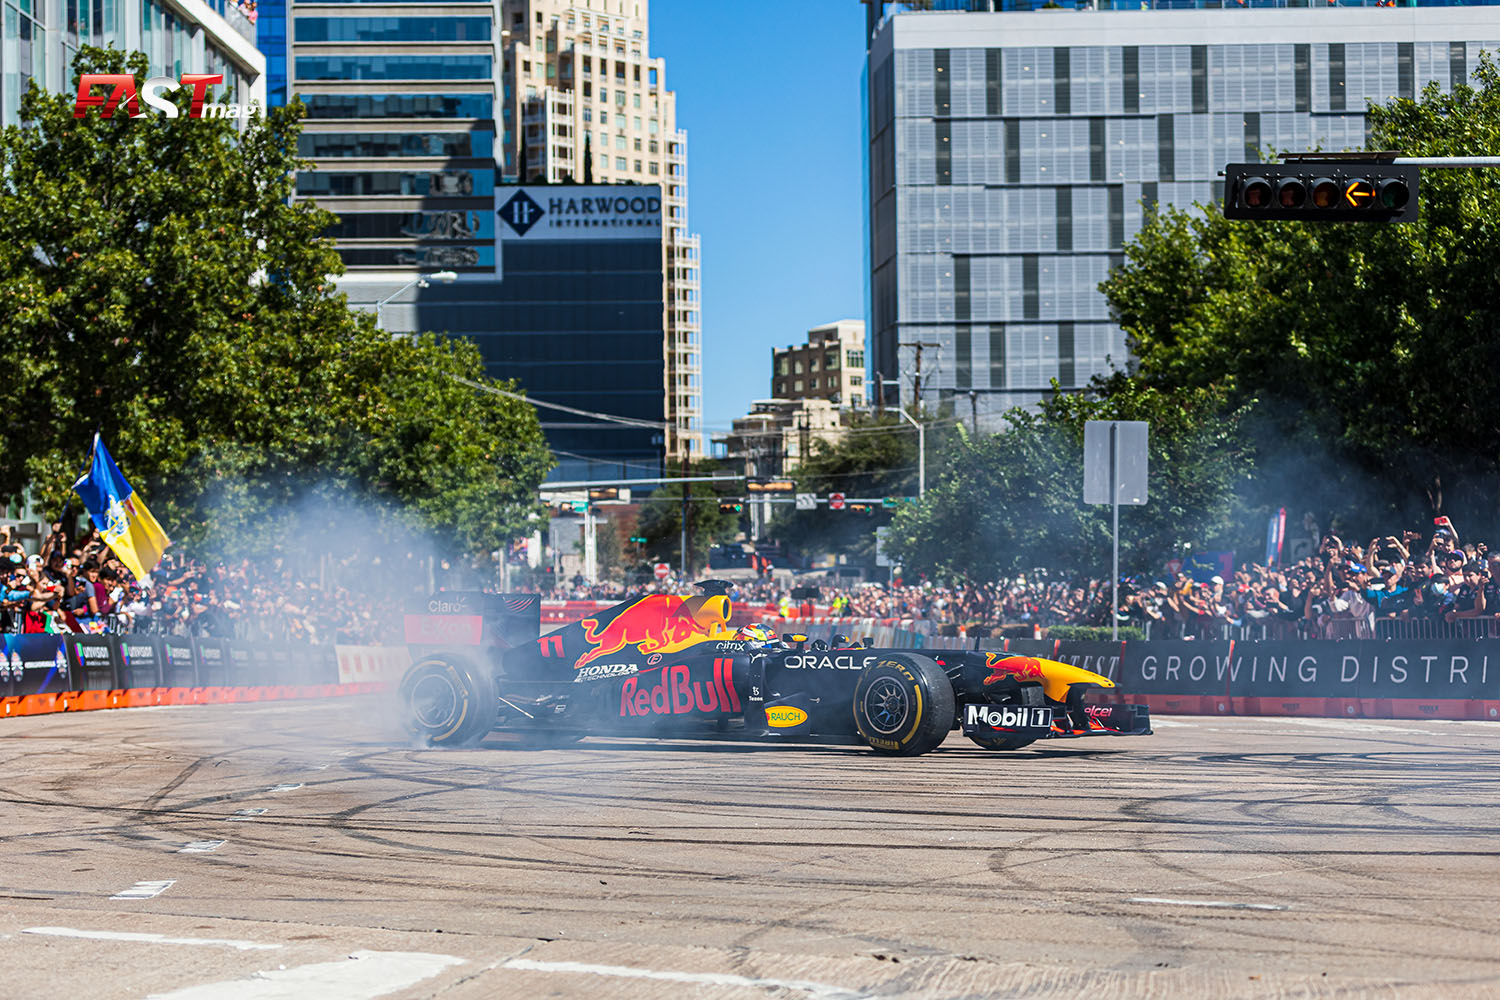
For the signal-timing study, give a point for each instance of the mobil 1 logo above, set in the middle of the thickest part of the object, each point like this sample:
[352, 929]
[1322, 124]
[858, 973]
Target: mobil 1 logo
[981, 719]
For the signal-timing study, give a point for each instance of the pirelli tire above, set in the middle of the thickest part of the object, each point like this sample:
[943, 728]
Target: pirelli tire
[903, 705]
[448, 701]
[1006, 743]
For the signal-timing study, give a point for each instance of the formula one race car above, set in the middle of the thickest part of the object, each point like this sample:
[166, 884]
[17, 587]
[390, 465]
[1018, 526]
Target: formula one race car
[670, 666]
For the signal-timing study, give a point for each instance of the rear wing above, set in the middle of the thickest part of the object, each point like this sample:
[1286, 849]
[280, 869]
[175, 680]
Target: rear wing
[466, 619]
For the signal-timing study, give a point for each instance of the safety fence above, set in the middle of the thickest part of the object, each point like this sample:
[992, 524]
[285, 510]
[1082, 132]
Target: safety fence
[42, 673]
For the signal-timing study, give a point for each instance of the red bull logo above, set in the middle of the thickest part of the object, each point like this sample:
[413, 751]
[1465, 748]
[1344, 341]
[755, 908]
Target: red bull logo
[1021, 668]
[676, 693]
[657, 623]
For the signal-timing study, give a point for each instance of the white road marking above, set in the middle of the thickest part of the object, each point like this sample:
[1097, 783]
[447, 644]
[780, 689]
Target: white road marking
[697, 978]
[201, 846]
[70, 932]
[363, 975]
[1219, 904]
[1159, 722]
[285, 787]
[146, 890]
[244, 814]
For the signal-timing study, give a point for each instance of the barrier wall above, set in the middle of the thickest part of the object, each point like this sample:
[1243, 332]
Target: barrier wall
[60, 673]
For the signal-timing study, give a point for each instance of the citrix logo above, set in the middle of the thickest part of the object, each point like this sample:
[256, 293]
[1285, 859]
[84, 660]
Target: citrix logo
[124, 92]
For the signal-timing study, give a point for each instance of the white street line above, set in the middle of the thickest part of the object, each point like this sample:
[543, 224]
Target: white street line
[363, 975]
[1346, 725]
[698, 978]
[201, 846]
[146, 890]
[241, 815]
[1215, 903]
[70, 932]
[1171, 724]
[285, 787]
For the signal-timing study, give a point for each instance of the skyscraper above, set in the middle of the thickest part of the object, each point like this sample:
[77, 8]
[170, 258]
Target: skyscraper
[1013, 152]
[584, 100]
[414, 115]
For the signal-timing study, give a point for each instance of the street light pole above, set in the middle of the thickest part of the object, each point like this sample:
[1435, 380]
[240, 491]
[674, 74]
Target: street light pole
[420, 281]
[921, 450]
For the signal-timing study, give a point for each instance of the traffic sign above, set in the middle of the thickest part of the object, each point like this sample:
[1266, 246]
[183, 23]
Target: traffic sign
[835, 501]
[807, 501]
[662, 571]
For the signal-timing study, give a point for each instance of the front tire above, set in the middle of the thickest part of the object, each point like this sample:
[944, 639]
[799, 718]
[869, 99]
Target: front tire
[447, 701]
[903, 705]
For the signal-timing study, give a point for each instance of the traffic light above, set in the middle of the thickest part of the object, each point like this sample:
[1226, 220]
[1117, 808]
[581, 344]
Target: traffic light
[730, 507]
[1321, 191]
[770, 486]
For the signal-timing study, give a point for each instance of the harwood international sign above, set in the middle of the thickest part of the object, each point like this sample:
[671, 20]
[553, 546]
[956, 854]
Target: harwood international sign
[578, 212]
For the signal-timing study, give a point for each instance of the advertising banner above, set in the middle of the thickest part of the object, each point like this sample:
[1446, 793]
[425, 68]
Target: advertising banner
[140, 661]
[93, 662]
[213, 663]
[179, 663]
[577, 212]
[239, 655]
[38, 664]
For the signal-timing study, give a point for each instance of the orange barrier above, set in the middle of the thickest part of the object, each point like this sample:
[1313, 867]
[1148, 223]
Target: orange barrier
[87, 701]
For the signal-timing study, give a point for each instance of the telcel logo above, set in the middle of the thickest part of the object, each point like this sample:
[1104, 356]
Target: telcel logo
[124, 90]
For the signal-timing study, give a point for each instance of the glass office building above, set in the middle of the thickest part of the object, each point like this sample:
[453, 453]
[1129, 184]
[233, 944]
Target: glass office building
[1011, 155]
[39, 38]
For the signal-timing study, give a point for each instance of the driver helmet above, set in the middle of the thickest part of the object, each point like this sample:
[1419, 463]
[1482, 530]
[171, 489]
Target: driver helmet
[757, 635]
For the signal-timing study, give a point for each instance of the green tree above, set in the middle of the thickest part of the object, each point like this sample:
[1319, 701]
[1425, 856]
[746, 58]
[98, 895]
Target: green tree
[163, 287]
[1371, 347]
[874, 457]
[1010, 502]
[660, 520]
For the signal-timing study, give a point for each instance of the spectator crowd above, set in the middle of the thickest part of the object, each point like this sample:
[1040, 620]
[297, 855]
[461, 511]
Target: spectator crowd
[80, 586]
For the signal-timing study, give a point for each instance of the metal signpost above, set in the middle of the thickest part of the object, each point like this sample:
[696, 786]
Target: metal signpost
[1114, 472]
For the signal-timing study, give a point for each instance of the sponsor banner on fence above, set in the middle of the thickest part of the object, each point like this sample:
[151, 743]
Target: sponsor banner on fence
[372, 664]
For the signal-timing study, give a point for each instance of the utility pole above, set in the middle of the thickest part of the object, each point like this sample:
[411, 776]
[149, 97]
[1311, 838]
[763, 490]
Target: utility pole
[879, 395]
[974, 409]
[916, 386]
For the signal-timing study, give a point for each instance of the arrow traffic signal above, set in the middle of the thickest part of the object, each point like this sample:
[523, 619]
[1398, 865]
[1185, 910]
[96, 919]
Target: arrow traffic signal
[1322, 191]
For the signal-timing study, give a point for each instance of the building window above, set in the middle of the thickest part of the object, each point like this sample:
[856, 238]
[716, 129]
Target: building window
[797, 385]
[619, 163]
[857, 401]
[654, 168]
[637, 145]
[831, 361]
[619, 142]
[637, 99]
[856, 359]
[812, 384]
[797, 370]
[637, 166]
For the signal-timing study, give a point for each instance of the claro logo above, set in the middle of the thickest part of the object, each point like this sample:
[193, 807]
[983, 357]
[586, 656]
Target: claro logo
[122, 91]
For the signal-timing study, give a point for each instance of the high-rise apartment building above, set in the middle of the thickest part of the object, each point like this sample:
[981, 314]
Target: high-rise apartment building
[39, 39]
[1013, 152]
[417, 110]
[831, 365]
[583, 100]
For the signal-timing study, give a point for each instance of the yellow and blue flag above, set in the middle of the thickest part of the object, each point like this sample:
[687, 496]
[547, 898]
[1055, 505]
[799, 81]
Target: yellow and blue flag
[120, 514]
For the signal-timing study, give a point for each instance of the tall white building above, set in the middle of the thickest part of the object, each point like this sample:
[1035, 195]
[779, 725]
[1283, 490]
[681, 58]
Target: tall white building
[579, 81]
[1013, 152]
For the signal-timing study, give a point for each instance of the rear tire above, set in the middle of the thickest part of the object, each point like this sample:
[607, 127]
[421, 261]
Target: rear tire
[903, 705]
[1012, 743]
[447, 701]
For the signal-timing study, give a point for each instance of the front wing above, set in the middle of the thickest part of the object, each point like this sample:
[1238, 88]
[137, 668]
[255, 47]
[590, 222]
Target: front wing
[1042, 722]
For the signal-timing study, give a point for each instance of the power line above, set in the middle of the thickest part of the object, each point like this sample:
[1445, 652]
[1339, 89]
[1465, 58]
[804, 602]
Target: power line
[610, 417]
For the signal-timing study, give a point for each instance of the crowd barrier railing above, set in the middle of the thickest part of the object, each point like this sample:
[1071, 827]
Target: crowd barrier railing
[41, 673]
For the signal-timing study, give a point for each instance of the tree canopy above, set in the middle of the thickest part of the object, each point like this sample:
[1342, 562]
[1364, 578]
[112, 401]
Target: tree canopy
[163, 287]
[1370, 346]
[1011, 502]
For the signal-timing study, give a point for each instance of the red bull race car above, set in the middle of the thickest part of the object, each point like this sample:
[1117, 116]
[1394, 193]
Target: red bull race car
[668, 666]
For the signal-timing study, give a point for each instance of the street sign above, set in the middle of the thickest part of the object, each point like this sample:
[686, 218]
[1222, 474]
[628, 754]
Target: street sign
[1130, 462]
[882, 558]
[835, 501]
[807, 501]
[579, 506]
[662, 571]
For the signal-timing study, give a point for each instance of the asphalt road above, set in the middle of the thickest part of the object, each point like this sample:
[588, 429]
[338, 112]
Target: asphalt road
[1221, 857]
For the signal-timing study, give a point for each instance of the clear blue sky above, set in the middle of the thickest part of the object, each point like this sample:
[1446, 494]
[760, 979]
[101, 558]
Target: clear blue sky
[769, 95]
